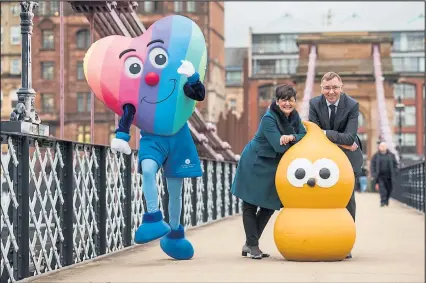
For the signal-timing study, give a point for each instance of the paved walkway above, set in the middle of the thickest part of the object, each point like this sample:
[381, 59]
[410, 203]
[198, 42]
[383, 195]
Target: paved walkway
[389, 248]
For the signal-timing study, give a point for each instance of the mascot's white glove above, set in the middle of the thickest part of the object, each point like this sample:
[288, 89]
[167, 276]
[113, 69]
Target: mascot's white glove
[186, 69]
[120, 146]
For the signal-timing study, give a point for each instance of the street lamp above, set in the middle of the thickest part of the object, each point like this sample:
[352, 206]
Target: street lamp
[24, 118]
[399, 107]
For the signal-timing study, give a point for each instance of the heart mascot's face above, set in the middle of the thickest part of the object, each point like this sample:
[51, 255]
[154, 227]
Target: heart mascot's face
[142, 71]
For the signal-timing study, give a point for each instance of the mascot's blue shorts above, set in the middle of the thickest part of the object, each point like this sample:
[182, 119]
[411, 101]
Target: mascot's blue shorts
[178, 153]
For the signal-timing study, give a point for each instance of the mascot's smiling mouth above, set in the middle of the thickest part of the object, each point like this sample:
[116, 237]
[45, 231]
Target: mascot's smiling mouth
[174, 86]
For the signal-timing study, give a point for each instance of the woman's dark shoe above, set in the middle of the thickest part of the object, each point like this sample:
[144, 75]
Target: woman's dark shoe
[255, 252]
[246, 250]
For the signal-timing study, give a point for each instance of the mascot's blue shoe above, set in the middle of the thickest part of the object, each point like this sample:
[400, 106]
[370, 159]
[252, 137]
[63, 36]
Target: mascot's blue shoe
[175, 245]
[153, 227]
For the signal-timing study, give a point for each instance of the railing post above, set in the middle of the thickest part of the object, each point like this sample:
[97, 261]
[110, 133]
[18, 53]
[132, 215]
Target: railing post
[67, 183]
[22, 218]
[24, 118]
[102, 205]
[127, 209]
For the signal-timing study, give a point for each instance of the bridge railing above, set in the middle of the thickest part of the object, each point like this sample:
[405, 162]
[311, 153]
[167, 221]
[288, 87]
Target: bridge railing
[410, 188]
[64, 202]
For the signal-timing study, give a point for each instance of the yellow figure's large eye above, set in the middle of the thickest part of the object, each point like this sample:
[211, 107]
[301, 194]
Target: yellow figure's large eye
[299, 171]
[326, 173]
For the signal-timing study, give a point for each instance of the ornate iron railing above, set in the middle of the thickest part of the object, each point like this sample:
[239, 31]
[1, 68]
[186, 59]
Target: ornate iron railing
[64, 202]
[410, 187]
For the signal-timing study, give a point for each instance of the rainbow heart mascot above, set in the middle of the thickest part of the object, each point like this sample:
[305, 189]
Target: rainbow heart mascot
[154, 82]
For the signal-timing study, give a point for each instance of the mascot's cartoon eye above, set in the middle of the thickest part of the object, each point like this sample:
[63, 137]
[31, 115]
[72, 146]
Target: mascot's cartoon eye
[326, 173]
[158, 57]
[133, 67]
[299, 171]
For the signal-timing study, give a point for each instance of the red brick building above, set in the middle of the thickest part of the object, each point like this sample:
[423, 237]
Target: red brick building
[279, 54]
[77, 39]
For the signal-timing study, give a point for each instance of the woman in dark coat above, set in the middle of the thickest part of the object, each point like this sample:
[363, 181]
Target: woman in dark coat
[254, 181]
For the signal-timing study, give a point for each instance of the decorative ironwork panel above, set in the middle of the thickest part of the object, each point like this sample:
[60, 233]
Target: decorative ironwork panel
[161, 190]
[200, 196]
[187, 202]
[85, 200]
[9, 204]
[138, 208]
[210, 188]
[114, 201]
[411, 187]
[45, 197]
[219, 190]
[82, 200]
[235, 201]
[227, 190]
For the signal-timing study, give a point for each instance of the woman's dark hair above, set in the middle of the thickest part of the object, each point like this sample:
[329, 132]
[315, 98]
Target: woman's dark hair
[285, 92]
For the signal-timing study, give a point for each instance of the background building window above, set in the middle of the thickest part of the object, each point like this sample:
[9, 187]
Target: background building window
[47, 39]
[408, 143]
[408, 64]
[274, 43]
[405, 91]
[80, 70]
[148, 6]
[15, 9]
[361, 120]
[54, 8]
[83, 134]
[41, 9]
[266, 94]
[47, 70]
[13, 95]
[415, 41]
[15, 35]
[83, 101]
[264, 67]
[83, 39]
[15, 66]
[234, 77]
[47, 102]
[408, 116]
[178, 6]
[233, 104]
[190, 6]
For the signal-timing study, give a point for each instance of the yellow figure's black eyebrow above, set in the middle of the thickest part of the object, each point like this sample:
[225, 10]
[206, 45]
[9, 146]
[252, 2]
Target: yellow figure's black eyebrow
[125, 51]
[154, 41]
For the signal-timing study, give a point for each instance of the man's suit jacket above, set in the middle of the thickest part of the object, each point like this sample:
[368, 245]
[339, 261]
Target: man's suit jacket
[345, 127]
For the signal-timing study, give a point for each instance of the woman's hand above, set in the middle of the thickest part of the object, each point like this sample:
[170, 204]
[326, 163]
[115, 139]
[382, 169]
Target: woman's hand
[285, 139]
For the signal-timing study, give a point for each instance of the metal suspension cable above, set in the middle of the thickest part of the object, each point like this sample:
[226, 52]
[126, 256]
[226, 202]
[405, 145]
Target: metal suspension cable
[61, 68]
[384, 128]
[310, 79]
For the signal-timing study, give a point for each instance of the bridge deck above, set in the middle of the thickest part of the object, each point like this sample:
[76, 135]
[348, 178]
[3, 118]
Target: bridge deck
[389, 248]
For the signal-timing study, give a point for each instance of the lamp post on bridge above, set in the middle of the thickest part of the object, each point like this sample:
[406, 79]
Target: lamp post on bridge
[24, 118]
[399, 107]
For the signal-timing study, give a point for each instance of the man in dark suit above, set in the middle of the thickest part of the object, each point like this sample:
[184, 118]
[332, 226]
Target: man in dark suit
[337, 114]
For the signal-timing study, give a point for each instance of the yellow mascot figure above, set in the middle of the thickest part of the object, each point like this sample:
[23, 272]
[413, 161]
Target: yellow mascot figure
[314, 181]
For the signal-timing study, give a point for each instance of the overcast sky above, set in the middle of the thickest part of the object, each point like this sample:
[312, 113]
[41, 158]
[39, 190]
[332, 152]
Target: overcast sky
[239, 16]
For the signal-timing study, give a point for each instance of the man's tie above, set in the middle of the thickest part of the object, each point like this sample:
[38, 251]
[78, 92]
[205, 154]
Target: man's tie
[332, 115]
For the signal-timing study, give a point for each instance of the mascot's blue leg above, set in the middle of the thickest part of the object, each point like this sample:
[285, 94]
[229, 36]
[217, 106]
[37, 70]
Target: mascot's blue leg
[175, 244]
[153, 226]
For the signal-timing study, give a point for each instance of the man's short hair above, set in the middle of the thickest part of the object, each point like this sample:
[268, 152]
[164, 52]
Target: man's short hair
[330, 75]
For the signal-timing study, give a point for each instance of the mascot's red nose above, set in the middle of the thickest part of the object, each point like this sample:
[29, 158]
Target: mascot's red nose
[152, 79]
